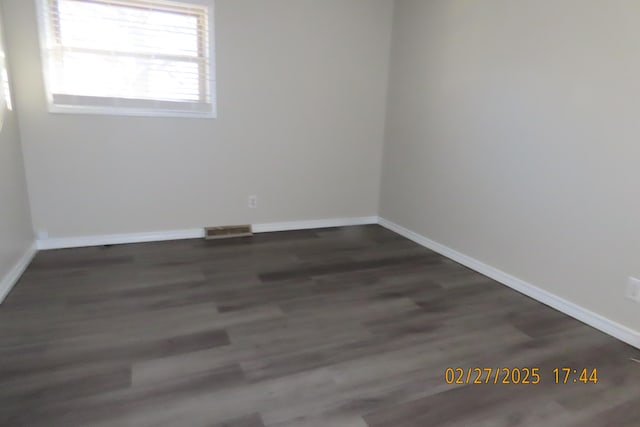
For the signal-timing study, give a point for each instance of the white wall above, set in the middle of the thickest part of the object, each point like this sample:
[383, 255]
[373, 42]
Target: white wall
[16, 234]
[513, 137]
[301, 89]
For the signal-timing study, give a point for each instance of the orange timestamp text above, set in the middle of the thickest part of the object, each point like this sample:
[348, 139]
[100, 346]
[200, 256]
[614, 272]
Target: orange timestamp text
[463, 376]
[492, 376]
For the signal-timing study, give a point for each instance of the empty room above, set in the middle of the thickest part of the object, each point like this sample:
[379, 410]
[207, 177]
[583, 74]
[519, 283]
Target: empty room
[319, 213]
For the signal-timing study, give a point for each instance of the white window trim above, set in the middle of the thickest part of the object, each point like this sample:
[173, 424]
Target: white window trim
[54, 108]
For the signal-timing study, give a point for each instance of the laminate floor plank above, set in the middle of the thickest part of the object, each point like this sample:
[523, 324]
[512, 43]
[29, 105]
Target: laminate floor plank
[248, 421]
[337, 327]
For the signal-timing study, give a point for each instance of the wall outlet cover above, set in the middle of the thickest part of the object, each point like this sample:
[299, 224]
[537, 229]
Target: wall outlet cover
[633, 289]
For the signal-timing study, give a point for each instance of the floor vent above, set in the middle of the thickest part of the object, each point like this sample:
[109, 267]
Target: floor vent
[227, 232]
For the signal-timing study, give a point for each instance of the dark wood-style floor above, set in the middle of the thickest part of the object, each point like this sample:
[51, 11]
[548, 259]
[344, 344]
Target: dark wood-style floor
[349, 327]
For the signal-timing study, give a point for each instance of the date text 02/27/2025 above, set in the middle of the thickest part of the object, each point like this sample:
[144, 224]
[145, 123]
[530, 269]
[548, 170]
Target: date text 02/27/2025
[530, 376]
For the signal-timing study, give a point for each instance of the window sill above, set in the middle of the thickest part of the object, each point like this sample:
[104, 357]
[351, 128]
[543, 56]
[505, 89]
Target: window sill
[129, 112]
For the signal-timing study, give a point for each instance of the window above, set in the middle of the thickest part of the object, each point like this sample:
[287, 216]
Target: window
[5, 91]
[135, 57]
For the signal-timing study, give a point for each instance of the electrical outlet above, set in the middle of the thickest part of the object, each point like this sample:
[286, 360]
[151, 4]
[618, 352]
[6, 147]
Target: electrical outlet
[633, 289]
[253, 202]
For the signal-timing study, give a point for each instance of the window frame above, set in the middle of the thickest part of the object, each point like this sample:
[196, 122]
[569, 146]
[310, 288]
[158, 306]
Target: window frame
[122, 106]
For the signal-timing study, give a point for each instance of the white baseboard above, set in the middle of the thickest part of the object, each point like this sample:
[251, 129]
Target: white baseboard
[197, 233]
[313, 224]
[582, 314]
[118, 239]
[10, 279]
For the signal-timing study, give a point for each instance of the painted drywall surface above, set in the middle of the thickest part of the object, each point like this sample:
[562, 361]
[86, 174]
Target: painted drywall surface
[301, 90]
[513, 137]
[16, 234]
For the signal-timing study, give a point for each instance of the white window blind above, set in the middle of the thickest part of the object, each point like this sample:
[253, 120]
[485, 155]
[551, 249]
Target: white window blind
[129, 56]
